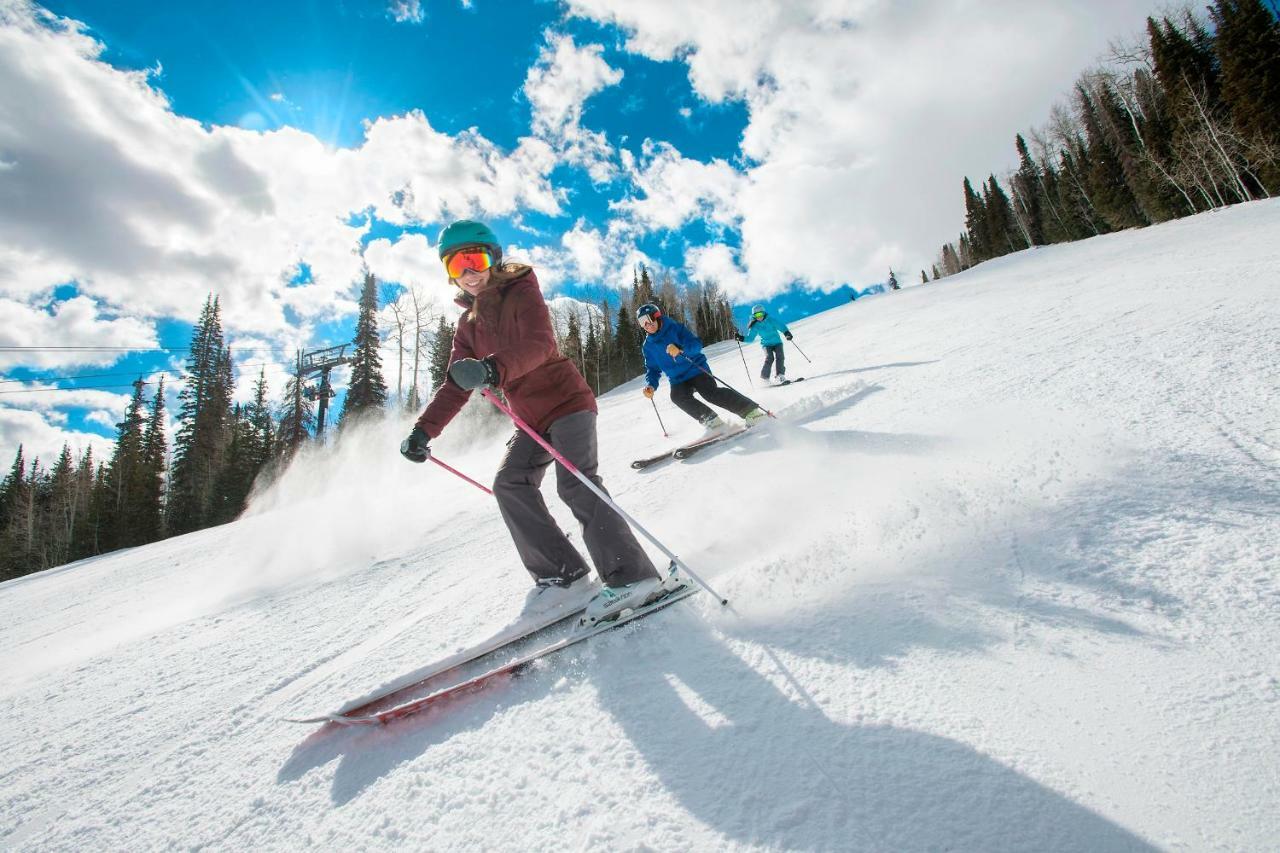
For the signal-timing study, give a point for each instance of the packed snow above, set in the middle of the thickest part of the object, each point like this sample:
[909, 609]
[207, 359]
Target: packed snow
[1003, 577]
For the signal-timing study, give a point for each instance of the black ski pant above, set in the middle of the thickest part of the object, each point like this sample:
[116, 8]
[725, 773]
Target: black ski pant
[543, 548]
[713, 392]
[771, 352]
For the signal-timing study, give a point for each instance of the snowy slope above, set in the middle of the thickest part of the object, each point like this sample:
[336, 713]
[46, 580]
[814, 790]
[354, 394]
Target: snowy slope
[1003, 578]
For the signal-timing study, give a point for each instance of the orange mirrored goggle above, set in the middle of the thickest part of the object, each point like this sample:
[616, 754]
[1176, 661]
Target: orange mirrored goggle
[468, 259]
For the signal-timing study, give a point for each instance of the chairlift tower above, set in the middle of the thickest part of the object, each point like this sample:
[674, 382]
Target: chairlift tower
[322, 361]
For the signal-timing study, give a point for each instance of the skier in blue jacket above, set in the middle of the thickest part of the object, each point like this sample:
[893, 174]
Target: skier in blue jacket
[771, 333]
[670, 348]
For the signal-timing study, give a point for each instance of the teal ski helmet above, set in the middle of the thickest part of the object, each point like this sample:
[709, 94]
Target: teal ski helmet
[468, 232]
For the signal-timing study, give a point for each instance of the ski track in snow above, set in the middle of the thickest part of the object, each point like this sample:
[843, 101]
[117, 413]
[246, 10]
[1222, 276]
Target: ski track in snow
[1003, 576]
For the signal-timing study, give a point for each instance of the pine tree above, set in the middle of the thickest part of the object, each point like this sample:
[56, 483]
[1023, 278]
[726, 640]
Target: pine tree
[60, 527]
[975, 223]
[154, 463]
[1247, 47]
[1027, 193]
[85, 540]
[571, 346]
[297, 417]
[628, 337]
[999, 219]
[591, 356]
[441, 349]
[205, 413]
[367, 393]
[12, 502]
[122, 524]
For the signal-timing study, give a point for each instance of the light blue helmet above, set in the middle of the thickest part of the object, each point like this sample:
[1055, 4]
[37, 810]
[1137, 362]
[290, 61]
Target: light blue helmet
[467, 232]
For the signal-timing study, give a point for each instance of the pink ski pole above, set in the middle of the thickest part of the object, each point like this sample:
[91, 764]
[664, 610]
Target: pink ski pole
[572, 469]
[458, 473]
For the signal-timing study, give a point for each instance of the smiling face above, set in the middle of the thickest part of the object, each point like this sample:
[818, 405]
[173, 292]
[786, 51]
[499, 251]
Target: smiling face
[649, 323]
[470, 268]
[472, 281]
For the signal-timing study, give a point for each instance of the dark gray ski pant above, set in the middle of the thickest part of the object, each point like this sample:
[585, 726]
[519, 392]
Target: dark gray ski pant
[713, 392]
[770, 352]
[543, 548]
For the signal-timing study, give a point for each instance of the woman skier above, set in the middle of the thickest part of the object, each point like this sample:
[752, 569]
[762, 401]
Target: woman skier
[505, 340]
[771, 333]
[670, 348]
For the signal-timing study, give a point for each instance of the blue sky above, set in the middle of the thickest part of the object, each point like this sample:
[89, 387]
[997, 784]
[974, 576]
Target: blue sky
[270, 152]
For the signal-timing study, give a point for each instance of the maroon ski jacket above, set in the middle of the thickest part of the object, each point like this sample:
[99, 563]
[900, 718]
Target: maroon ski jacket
[509, 321]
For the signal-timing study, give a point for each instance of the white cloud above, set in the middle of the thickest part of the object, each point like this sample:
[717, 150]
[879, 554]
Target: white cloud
[673, 190]
[145, 209]
[865, 115]
[406, 11]
[557, 86]
[73, 322]
[40, 432]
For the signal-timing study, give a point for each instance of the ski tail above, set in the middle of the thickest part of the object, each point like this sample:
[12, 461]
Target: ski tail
[501, 639]
[511, 668]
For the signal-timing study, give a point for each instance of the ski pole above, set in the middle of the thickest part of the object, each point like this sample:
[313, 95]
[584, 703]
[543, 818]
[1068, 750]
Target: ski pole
[722, 382]
[744, 364]
[665, 434]
[572, 469]
[458, 473]
[794, 344]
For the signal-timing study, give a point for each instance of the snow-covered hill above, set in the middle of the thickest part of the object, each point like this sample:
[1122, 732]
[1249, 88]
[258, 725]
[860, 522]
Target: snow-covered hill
[1003, 577]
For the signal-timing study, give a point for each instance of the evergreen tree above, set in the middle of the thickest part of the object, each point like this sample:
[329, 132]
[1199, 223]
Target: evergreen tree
[85, 539]
[441, 349]
[60, 526]
[642, 289]
[297, 417]
[205, 414]
[571, 346]
[154, 463]
[13, 500]
[1247, 47]
[367, 393]
[999, 219]
[591, 356]
[975, 223]
[122, 527]
[1027, 193]
[1073, 199]
[237, 472]
[628, 337]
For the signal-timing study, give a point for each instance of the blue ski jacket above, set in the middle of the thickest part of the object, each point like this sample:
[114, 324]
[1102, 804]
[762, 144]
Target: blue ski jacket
[679, 369]
[769, 330]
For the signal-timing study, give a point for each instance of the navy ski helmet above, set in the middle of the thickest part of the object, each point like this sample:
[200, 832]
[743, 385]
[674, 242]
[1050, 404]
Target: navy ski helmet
[649, 310]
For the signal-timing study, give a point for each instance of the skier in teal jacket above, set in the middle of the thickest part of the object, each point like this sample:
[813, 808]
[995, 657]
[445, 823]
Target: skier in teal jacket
[771, 332]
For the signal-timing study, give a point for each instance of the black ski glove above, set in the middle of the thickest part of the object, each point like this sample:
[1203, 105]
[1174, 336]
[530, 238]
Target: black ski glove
[470, 373]
[787, 335]
[737, 336]
[414, 448]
